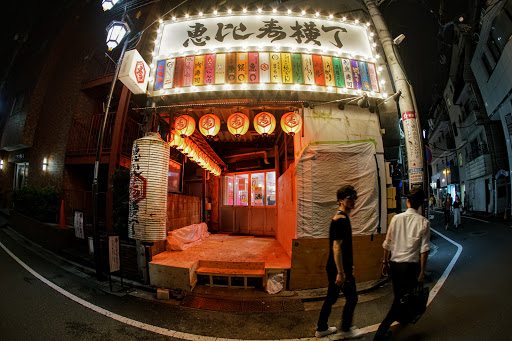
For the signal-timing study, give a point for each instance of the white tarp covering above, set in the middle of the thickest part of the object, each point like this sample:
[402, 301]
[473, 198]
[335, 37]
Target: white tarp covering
[185, 237]
[321, 170]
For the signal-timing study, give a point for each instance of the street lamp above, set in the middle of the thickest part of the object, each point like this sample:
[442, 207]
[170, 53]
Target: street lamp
[116, 32]
[108, 4]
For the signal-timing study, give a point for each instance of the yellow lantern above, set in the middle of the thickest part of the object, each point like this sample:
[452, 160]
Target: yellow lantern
[291, 123]
[209, 125]
[238, 124]
[185, 125]
[264, 123]
[174, 139]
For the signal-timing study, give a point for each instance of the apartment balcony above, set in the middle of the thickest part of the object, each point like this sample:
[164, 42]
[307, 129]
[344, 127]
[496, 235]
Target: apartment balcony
[479, 163]
[83, 140]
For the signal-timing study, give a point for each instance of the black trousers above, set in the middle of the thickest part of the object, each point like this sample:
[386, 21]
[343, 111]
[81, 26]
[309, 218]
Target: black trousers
[333, 292]
[404, 277]
[446, 217]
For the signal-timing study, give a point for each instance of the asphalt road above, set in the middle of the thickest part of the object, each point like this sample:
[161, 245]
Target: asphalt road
[472, 304]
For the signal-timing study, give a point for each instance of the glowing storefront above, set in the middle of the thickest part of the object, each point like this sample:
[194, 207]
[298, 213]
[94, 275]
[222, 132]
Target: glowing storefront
[323, 72]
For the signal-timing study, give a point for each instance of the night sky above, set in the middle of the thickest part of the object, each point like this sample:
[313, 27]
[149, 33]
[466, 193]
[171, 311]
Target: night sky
[419, 21]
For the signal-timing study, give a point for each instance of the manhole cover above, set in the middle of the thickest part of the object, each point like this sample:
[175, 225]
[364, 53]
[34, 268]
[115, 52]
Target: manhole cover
[478, 233]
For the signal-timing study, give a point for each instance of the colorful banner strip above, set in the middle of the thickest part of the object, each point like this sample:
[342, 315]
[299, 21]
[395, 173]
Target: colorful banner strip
[264, 68]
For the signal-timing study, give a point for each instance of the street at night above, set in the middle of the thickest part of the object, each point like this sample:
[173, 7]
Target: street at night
[270, 170]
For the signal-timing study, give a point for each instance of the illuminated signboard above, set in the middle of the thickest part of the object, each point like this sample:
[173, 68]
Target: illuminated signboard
[264, 52]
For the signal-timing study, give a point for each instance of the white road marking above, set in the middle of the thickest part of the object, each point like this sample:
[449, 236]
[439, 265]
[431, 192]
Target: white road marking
[192, 337]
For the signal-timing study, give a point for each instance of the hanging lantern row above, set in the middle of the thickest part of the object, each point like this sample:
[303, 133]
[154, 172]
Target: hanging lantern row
[238, 124]
[193, 152]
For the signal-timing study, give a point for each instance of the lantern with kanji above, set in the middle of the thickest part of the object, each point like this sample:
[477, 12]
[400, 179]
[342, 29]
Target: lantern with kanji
[264, 123]
[291, 123]
[238, 124]
[184, 125]
[148, 189]
[209, 125]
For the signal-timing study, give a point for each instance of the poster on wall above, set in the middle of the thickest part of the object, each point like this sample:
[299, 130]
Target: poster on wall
[79, 224]
[113, 253]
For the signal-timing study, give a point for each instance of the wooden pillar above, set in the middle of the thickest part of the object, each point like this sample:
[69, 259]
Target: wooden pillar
[115, 151]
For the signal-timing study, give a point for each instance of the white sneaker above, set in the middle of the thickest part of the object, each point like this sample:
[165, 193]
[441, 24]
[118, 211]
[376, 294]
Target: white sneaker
[353, 333]
[328, 331]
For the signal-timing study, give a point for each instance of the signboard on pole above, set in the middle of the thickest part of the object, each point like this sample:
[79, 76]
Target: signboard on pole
[134, 72]
[428, 155]
[113, 253]
[79, 224]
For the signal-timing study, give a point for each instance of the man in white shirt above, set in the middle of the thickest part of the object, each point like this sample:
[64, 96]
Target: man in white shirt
[406, 251]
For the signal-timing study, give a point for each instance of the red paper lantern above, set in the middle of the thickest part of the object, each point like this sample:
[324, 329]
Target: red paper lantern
[185, 125]
[291, 123]
[264, 123]
[209, 125]
[238, 124]
[174, 139]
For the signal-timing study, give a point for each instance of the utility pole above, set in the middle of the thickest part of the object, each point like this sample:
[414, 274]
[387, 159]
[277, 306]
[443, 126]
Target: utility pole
[410, 118]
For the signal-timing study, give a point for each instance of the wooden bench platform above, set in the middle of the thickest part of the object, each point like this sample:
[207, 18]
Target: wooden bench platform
[231, 270]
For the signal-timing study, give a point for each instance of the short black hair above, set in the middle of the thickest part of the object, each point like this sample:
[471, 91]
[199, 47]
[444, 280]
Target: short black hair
[416, 197]
[346, 191]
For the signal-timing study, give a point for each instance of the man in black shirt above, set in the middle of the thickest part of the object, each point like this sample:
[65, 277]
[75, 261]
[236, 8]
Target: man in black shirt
[339, 268]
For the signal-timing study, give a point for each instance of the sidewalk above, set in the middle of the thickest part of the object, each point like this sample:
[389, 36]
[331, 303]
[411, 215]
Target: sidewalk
[79, 259]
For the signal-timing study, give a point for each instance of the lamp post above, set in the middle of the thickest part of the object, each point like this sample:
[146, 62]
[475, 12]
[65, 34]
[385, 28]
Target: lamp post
[116, 32]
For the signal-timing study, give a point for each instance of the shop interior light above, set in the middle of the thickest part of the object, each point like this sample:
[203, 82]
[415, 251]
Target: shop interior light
[274, 10]
[1, 164]
[116, 31]
[215, 12]
[289, 11]
[45, 164]
[108, 4]
[200, 14]
[303, 12]
[230, 11]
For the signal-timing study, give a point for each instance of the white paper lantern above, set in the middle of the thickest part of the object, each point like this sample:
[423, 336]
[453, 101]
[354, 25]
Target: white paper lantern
[148, 189]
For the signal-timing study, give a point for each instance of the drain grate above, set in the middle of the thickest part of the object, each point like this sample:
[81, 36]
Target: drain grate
[273, 305]
[293, 305]
[231, 305]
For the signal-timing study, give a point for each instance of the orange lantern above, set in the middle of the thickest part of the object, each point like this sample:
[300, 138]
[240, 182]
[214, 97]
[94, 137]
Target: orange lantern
[291, 123]
[174, 139]
[264, 123]
[238, 124]
[185, 125]
[209, 125]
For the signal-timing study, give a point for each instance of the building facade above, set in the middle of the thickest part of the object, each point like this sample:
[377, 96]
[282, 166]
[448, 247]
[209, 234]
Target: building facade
[491, 65]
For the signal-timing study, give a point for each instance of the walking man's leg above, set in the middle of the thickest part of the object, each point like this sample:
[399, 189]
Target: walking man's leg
[350, 293]
[333, 292]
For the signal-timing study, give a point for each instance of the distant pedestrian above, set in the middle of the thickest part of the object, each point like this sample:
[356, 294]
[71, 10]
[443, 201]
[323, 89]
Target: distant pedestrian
[406, 250]
[456, 212]
[432, 201]
[339, 268]
[447, 205]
